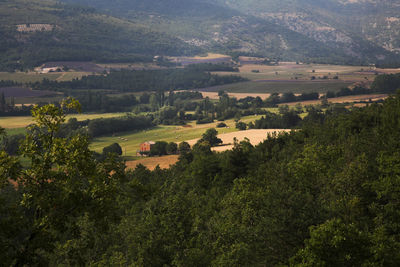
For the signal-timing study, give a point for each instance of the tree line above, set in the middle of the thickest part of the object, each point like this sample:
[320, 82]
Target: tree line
[141, 80]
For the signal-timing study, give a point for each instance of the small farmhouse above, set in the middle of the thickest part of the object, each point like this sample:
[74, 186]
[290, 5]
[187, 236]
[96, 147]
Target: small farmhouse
[146, 146]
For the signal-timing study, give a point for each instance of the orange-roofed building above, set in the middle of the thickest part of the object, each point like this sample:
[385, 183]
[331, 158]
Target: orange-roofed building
[146, 146]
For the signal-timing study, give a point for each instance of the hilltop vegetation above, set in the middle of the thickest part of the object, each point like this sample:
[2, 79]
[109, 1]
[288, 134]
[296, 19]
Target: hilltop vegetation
[76, 33]
[133, 31]
[304, 30]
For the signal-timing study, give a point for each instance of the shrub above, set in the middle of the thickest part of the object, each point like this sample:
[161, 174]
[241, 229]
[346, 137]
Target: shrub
[113, 148]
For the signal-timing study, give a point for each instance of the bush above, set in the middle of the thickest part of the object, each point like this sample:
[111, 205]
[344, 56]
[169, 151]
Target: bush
[172, 148]
[113, 148]
[210, 136]
[183, 148]
[159, 148]
[241, 126]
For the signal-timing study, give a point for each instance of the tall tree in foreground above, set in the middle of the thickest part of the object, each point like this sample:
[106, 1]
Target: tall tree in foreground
[62, 192]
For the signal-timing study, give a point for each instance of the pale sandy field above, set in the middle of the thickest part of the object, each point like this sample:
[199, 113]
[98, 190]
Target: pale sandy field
[255, 137]
[342, 99]
[214, 95]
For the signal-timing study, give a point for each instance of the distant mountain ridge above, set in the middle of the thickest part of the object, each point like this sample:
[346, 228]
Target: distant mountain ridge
[358, 31]
[36, 31]
[330, 31]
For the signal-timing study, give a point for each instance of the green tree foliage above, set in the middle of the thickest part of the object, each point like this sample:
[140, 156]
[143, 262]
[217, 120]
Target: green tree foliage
[159, 148]
[62, 183]
[113, 148]
[142, 80]
[98, 127]
[386, 83]
[172, 148]
[210, 136]
[183, 147]
[241, 125]
[335, 243]
[326, 194]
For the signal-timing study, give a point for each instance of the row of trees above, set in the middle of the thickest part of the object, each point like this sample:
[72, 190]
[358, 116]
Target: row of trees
[141, 80]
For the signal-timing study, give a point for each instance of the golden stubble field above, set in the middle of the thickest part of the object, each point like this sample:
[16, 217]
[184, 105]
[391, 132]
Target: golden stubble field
[23, 121]
[255, 137]
[343, 99]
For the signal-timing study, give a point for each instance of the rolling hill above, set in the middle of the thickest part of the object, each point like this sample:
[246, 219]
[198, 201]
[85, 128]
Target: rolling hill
[44, 30]
[331, 31]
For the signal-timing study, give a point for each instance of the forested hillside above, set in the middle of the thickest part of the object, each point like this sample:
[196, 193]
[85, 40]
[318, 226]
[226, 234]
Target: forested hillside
[324, 195]
[33, 32]
[306, 30]
[37, 31]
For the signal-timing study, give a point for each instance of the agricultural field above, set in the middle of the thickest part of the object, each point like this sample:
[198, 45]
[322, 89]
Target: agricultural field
[23, 121]
[268, 87]
[130, 66]
[130, 141]
[343, 99]
[209, 58]
[25, 77]
[255, 137]
[214, 95]
[24, 92]
[70, 75]
[299, 78]
[151, 163]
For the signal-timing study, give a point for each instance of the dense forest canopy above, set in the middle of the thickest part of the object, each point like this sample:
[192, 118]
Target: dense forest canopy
[324, 195]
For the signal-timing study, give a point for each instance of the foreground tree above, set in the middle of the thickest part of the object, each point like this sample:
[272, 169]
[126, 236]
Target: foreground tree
[62, 183]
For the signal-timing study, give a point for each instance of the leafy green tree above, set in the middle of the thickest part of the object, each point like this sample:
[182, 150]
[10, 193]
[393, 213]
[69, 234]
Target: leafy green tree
[183, 147]
[159, 148]
[241, 125]
[210, 136]
[113, 148]
[63, 182]
[172, 148]
[3, 104]
[335, 243]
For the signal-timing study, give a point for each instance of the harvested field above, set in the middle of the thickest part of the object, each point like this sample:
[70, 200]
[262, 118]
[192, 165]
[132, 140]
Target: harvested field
[210, 58]
[255, 136]
[24, 92]
[152, 162]
[23, 121]
[214, 95]
[343, 99]
[75, 65]
[70, 75]
[269, 87]
[166, 133]
[25, 77]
